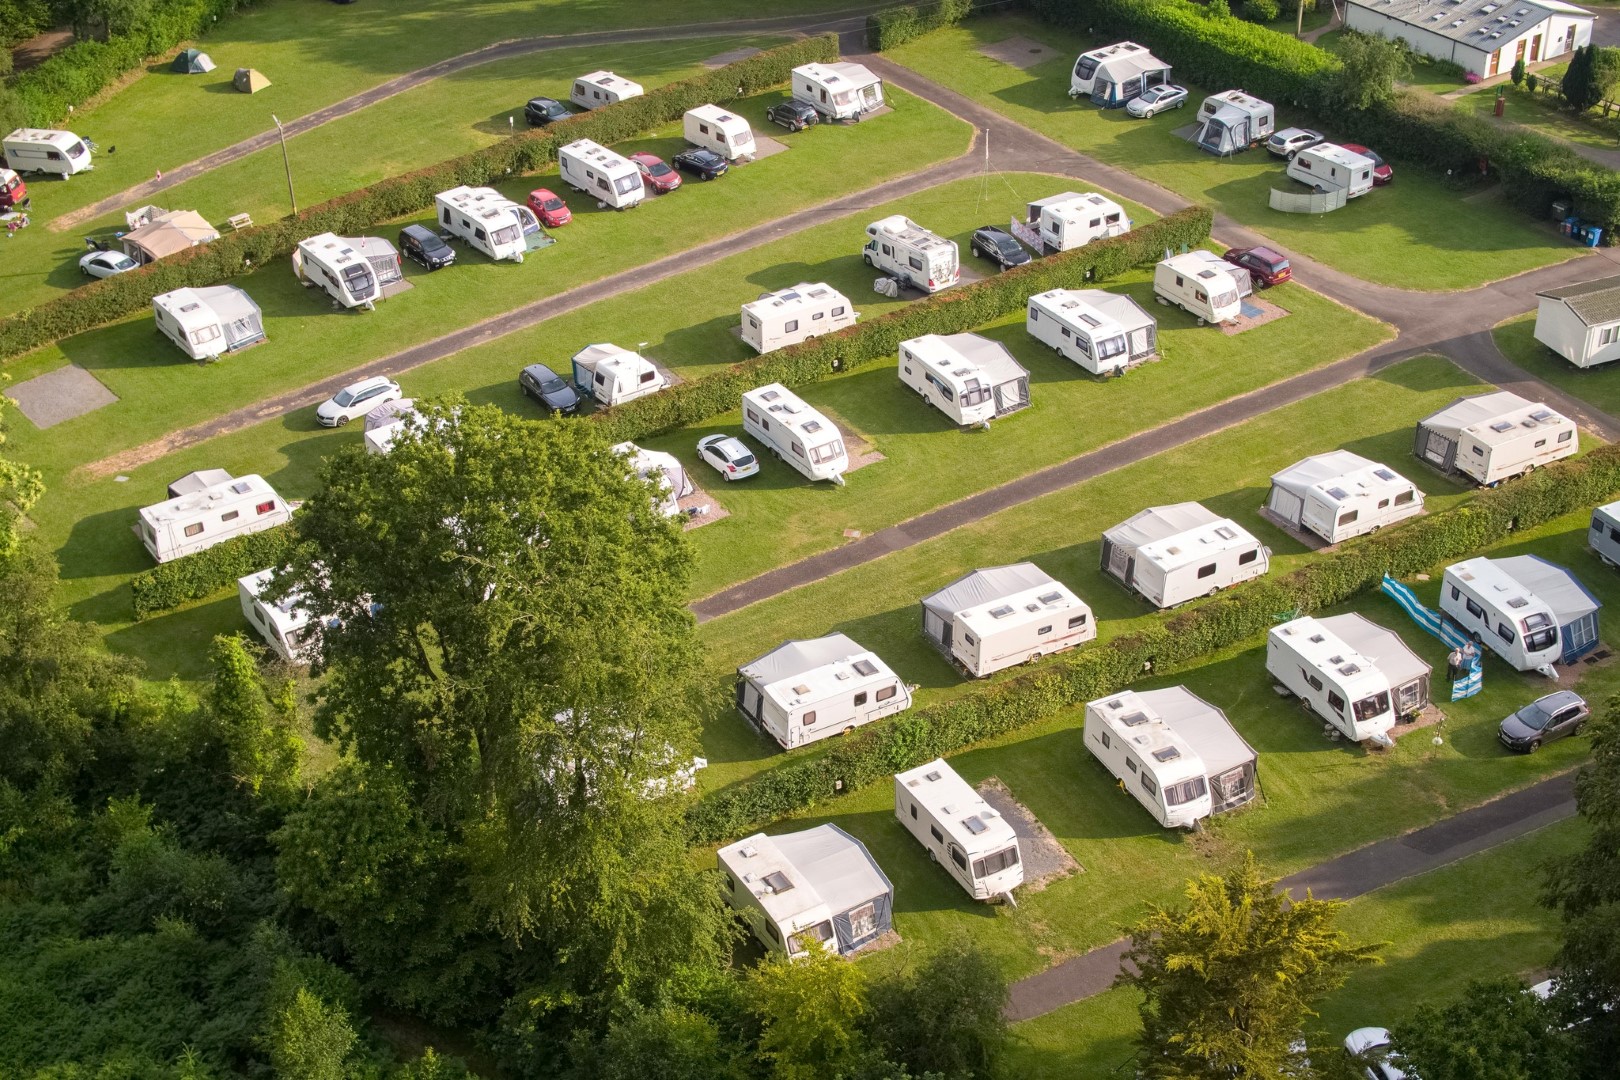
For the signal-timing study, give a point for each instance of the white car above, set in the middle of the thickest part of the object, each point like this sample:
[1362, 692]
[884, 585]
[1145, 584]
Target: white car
[730, 458]
[1157, 99]
[100, 264]
[1290, 141]
[357, 400]
[1370, 1047]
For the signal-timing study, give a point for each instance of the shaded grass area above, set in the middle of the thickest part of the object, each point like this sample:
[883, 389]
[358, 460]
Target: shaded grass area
[1544, 114]
[1599, 385]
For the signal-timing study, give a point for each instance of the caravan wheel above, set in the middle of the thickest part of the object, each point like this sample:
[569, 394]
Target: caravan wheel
[932, 856]
[1034, 656]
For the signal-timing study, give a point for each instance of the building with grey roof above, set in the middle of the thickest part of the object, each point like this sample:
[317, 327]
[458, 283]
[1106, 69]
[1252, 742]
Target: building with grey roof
[1581, 322]
[1485, 37]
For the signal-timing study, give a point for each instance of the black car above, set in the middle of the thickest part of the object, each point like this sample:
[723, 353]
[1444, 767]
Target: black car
[543, 110]
[421, 244]
[543, 385]
[999, 247]
[701, 163]
[794, 115]
[1544, 720]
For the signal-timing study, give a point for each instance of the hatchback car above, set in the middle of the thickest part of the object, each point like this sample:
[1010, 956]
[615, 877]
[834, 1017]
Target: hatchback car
[656, 173]
[1290, 141]
[795, 115]
[103, 264]
[1544, 720]
[704, 164]
[543, 110]
[540, 383]
[999, 247]
[730, 458]
[1265, 266]
[1157, 99]
[1382, 173]
[549, 208]
[1370, 1047]
[421, 244]
[357, 400]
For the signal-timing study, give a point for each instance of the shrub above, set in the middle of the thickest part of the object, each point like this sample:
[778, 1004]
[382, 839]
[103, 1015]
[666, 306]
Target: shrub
[1261, 11]
[898, 25]
[212, 570]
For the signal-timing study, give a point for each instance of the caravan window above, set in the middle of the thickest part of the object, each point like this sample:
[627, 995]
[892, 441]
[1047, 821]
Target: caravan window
[1131, 765]
[1474, 609]
[1206, 571]
[862, 921]
[939, 837]
[1405, 497]
[1565, 436]
[193, 530]
[996, 862]
[1455, 595]
[203, 335]
[913, 811]
[860, 698]
[1148, 785]
[818, 316]
[1370, 708]
[914, 262]
[1076, 622]
[1347, 518]
[958, 858]
[1504, 632]
[886, 693]
[647, 377]
[232, 516]
[828, 452]
[1248, 556]
[809, 718]
[1335, 702]
[1106, 740]
[837, 311]
[790, 326]
[1316, 683]
[1614, 534]
[264, 507]
[770, 928]
[822, 932]
[1185, 792]
[1043, 630]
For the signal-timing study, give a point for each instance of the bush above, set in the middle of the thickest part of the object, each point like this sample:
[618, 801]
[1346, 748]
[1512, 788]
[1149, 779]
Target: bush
[896, 26]
[1261, 11]
[210, 571]
[1177, 641]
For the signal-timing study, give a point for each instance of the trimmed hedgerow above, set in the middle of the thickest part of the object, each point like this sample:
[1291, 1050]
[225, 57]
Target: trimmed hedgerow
[895, 26]
[212, 570]
[1177, 641]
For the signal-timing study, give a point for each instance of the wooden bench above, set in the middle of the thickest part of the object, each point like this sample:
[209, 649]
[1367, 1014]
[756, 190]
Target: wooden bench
[240, 221]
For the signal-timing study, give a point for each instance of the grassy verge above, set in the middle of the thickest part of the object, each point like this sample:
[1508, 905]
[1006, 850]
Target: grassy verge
[1542, 113]
[1517, 340]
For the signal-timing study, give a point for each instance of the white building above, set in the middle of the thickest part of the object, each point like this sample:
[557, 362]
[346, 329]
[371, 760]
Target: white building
[819, 885]
[1176, 553]
[602, 88]
[1581, 322]
[1070, 220]
[789, 316]
[1494, 437]
[910, 253]
[1485, 37]
[208, 322]
[1002, 616]
[612, 375]
[969, 378]
[717, 129]
[663, 470]
[1200, 285]
[959, 830]
[487, 221]
[1530, 612]
[1353, 673]
[45, 151]
[206, 508]
[840, 91]
[795, 432]
[803, 691]
[1103, 332]
[1232, 121]
[1329, 167]
[1340, 494]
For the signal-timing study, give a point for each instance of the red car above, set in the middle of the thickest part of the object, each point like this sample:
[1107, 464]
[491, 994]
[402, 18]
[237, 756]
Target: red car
[656, 173]
[551, 210]
[1266, 266]
[1382, 173]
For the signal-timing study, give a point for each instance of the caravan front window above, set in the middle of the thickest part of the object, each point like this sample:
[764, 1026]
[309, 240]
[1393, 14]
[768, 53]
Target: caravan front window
[822, 932]
[1225, 299]
[1372, 707]
[996, 862]
[624, 185]
[975, 394]
[1086, 68]
[508, 235]
[76, 150]
[1185, 792]
[827, 452]
[1108, 347]
[1539, 633]
[204, 334]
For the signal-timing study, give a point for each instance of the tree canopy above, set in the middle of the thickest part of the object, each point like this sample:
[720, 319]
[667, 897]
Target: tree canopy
[1496, 1031]
[1372, 65]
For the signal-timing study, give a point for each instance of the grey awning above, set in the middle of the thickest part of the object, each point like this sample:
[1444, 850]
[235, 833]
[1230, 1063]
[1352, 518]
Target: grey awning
[797, 657]
[1159, 522]
[1205, 727]
[1553, 585]
[983, 586]
[1384, 648]
[1301, 476]
[991, 357]
[835, 864]
[1468, 411]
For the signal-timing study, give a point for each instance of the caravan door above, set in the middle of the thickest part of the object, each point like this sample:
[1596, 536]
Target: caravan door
[937, 628]
[1120, 563]
[748, 699]
[1286, 505]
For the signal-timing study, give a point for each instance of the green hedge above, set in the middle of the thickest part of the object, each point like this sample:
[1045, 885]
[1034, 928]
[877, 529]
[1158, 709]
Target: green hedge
[1179, 640]
[237, 253]
[878, 340]
[896, 26]
[212, 570]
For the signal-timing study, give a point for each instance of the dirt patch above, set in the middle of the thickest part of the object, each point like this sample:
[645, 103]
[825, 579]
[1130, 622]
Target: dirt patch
[1020, 52]
[1570, 674]
[731, 56]
[857, 446]
[881, 110]
[40, 48]
[1256, 312]
[886, 940]
[60, 395]
[1045, 860]
[701, 509]
[1428, 717]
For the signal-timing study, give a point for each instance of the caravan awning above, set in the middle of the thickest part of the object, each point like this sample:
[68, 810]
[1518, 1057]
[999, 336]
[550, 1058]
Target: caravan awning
[1554, 585]
[992, 357]
[196, 481]
[173, 232]
[797, 657]
[1468, 411]
[1121, 308]
[228, 302]
[835, 864]
[1383, 647]
[983, 586]
[1202, 725]
[1302, 476]
[1158, 522]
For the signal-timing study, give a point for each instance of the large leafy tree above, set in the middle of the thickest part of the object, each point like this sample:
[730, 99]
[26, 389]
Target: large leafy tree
[20, 485]
[812, 1011]
[1372, 67]
[1495, 1031]
[943, 1016]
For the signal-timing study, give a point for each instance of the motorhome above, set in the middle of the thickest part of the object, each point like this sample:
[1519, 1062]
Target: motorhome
[1176, 553]
[1340, 494]
[839, 91]
[488, 221]
[1530, 612]
[283, 624]
[601, 88]
[1174, 752]
[901, 248]
[1082, 81]
[13, 192]
[1329, 167]
[1123, 75]
[1199, 287]
[613, 376]
[1494, 437]
[969, 378]
[797, 889]
[1603, 537]
[959, 830]
[1105, 333]
[664, 471]
[714, 128]
[41, 150]
[1001, 616]
[1232, 121]
[795, 432]
[203, 515]
[1070, 220]
[206, 323]
[789, 316]
[804, 691]
[332, 264]
[611, 179]
[1359, 677]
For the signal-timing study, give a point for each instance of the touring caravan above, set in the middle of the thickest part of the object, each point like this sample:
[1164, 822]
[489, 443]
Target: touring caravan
[795, 432]
[488, 221]
[612, 375]
[1122, 76]
[1002, 616]
[726, 133]
[1494, 437]
[969, 378]
[202, 516]
[208, 322]
[1082, 81]
[1174, 752]
[1176, 553]
[1071, 220]
[959, 830]
[611, 179]
[602, 88]
[1329, 167]
[797, 889]
[1604, 535]
[1339, 495]
[1199, 286]
[332, 264]
[664, 471]
[804, 691]
[789, 316]
[1103, 332]
[40, 150]
[283, 624]
[840, 91]
[910, 253]
[1359, 677]
[1232, 121]
[1532, 613]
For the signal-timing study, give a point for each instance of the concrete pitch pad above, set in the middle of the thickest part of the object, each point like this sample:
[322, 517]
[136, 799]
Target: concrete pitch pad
[764, 147]
[60, 395]
[1020, 52]
[1256, 312]
[720, 60]
[1045, 860]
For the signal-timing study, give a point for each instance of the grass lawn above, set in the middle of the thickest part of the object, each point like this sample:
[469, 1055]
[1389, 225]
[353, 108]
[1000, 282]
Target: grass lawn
[1600, 385]
[1417, 234]
[1541, 113]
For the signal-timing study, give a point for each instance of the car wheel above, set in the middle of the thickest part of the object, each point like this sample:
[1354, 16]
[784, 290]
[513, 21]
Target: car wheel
[342, 420]
[526, 391]
[1576, 730]
[1535, 744]
[868, 259]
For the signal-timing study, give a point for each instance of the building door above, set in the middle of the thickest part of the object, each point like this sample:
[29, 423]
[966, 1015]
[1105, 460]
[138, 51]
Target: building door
[1496, 59]
[1520, 54]
[1535, 48]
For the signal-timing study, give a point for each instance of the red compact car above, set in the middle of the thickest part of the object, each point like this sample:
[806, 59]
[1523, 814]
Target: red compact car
[1266, 266]
[1382, 173]
[551, 210]
[656, 173]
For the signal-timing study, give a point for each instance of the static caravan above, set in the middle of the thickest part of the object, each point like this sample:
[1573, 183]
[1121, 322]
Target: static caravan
[905, 250]
[969, 378]
[795, 432]
[1001, 616]
[611, 179]
[1353, 673]
[156, 233]
[613, 375]
[726, 133]
[959, 830]
[283, 624]
[1103, 332]
[1176, 553]
[1232, 121]
[203, 516]
[819, 885]
[840, 91]
[1340, 495]
[1581, 322]
[1199, 287]
[1329, 167]
[1494, 437]
[1121, 76]
[803, 691]
[332, 264]
[1083, 80]
[41, 150]
[206, 323]
[488, 221]
[602, 88]
[1071, 220]
[789, 316]
[663, 470]
[1173, 751]
[1531, 613]
[1604, 536]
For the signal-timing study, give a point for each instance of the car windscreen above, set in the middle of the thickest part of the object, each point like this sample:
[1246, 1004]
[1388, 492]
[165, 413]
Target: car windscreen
[1535, 716]
[344, 398]
[742, 461]
[552, 203]
[553, 385]
[1154, 93]
[660, 169]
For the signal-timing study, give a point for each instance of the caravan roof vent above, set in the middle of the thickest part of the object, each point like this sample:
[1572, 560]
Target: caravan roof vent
[1502, 425]
[1336, 659]
[1518, 602]
[1050, 598]
[1166, 753]
[1383, 474]
[1350, 669]
[748, 851]
[769, 395]
[974, 825]
[844, 676]
[812, 425]
[1225, 533]
[1542, 415]
[1135, 719]
[1338, 493]
[777, 882]
[241, 487]
[1206, 274]
[933, 776]
[1090, 320]
[1317, 639]
[865, 667]
[1001, 612]
[1032, 607]
[801, 690]
[191, 307]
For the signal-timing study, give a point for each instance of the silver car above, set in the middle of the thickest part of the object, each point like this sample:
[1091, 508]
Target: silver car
[1290, 141]
[356, 400]
[1157, 99]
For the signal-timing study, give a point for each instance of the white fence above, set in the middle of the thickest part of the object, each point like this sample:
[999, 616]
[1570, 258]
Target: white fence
[1315, 202]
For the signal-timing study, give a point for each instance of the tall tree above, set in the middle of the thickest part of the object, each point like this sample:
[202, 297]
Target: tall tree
[1372, 65]
[310, 1040]
[1495, 1031]
[255, 723]
[812, 1010]
[944, 1016]
[20, 486]
[1580, 85]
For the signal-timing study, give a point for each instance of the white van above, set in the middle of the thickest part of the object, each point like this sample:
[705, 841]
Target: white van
[905, 250]
[713, 128]
[960, 831]
[609, 178]
[601, 88]
[795, 432]
[42, 150]
[1328, 167]
[1198, 286]
[789, 316]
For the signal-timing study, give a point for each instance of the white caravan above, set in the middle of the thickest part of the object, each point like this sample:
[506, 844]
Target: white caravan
[840, 91]
[818, 885]
[959, 830]
[208, 322]
[1001, 616]
[611, 179]
[664, 471]
[1604, 535]
[1121, 76]
[1071, 220]
[202, 516]
[488, 221]
[1176, 553]
[1494, 437]
[1232, 121]
[795, 432]
[1353, 673]
[1330, 167]
[1339, 495]
[1083, 79]
[804, 691]
[332, 264]
[41, 150]
[789, 316]
[1199, 286]
[1531, 613]
[1581, 322]
[1103, 332]
[601, 88]
[612, 375]
[284, 624]
[969, 378]
[726, 133]
[910, 253]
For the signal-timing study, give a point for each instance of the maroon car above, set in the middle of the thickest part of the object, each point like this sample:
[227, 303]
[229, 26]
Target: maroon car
[1266, 266]
[1382, 173]
[656, 173]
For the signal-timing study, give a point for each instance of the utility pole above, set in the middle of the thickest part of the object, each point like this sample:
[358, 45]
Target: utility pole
[286, 163]
[1299, 29]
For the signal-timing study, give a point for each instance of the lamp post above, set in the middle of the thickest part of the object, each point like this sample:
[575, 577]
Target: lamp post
[286, 163]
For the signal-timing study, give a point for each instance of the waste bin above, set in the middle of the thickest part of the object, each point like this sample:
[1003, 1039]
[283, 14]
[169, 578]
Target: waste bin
[1561, 209]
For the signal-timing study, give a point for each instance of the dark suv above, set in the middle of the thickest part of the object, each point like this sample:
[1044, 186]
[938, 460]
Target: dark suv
[421, 244]
[795, 115]
[543, 110]
[999, 247]
[543, 385]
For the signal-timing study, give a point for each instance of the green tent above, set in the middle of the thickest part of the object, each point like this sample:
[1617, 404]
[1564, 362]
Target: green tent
[192, 62]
